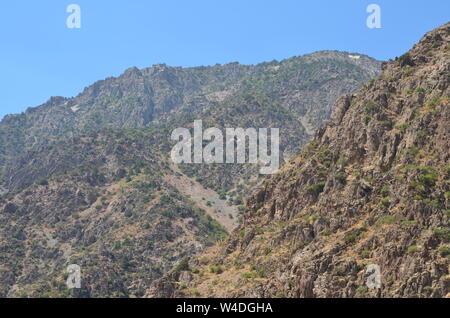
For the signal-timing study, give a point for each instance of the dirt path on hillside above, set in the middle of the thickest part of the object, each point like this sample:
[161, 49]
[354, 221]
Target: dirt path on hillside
[218, 209]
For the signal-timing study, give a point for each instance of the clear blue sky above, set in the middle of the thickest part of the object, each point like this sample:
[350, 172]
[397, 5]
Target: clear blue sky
[40, 57]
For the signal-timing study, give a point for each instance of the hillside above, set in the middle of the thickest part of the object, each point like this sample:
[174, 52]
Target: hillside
[372, 188]
[299, 90]
[87, 180]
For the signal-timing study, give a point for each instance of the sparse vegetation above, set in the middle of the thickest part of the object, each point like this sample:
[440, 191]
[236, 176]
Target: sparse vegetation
[443, 234]
[405, 60]
[385, 202]
[183, 265]
[317, 188]
[444, 251]
[216, 269]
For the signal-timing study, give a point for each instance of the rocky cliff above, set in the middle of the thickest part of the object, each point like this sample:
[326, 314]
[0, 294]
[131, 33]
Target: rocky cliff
[371, 191]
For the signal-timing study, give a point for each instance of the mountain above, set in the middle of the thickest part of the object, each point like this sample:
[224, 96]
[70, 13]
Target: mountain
[370, 192]
[301, 89]
[88, 180]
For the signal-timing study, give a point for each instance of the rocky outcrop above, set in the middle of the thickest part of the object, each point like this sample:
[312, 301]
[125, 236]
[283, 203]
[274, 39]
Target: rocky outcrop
[369, 195]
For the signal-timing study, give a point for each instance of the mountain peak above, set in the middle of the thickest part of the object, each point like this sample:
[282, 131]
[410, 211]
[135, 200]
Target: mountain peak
[132, 71]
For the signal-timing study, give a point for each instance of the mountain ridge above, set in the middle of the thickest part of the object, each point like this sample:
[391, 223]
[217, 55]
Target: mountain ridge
[88, 180]
[370, 191]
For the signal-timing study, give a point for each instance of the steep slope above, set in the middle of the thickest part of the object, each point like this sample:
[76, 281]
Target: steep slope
[373, 188]
[88, 180]
[107, 208]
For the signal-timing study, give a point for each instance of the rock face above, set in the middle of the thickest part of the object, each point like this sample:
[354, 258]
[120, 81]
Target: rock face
[88, 181]
[370, 193]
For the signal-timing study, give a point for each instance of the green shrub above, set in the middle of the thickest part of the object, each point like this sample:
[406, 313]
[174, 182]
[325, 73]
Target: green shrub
[324, 156]
[216, 269]
[408, 71]
[386, 189]
[317, 188]
[312, 146]
[412, 249]
[409, 223]
[443, 234]
[444, 251]
[402, 127]
[362, 290]
[267, 250]
[168, 213]
[416, 186]
[385, 202]
[204, 260]
[183, 265]
[447, 172]
[165, 200]
[405, 60]
[351, 237]
[386, 220]
[434, 102]
[341, 177]
[262, 273]
[365, 253]
[342, 161]
[249, 275]
[313, 218]
[419, 90]
[428, 175]
[431, 202]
